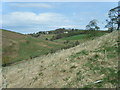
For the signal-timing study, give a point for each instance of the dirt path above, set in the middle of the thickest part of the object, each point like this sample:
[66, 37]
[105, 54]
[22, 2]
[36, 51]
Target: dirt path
[53, 70]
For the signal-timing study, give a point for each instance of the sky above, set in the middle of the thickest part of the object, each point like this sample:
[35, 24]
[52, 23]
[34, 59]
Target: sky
[30, 17]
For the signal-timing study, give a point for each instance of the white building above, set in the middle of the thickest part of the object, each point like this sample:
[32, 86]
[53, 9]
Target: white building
[66, 32]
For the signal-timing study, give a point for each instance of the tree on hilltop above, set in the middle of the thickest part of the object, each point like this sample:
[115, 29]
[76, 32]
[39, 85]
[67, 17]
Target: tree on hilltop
[92, 25]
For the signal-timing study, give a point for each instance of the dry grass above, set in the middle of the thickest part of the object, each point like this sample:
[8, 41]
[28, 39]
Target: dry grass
[65, 68]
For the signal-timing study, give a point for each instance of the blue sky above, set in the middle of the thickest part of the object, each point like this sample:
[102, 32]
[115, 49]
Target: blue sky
[26, 17]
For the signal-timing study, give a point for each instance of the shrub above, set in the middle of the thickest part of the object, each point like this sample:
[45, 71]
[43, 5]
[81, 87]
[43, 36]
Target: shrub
[46, 39]
[77, 43]
[5, 60]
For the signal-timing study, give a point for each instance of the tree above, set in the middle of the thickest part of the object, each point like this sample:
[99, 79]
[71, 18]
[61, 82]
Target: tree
[97, 28]
[114, 18]
[92, 25]
[109, 25]
[88, 27]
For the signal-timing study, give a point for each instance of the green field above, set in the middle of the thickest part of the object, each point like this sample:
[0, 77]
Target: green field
[81, 38]
[76, 37]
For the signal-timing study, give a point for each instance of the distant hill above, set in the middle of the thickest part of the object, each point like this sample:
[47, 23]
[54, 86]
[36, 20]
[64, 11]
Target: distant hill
[63, 33]
[18, 47]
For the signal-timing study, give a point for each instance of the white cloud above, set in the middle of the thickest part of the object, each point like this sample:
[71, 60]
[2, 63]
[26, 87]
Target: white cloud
[31, 22]
[40, 5]
[30, 18]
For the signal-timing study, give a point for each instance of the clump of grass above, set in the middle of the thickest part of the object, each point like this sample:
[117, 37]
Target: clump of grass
[62, 70]
[40, 74]
[75, 81]
[94, 58]
[72, 67]
[111, 51]
[88, 64]
[66, 79]
[96, 68]
[78, 73]
[79, 76]
[35, 78]
[112, 55]
[83, 52]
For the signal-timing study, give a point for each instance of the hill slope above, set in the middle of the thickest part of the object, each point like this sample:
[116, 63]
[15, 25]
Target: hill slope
[91, 64]
[18, 47]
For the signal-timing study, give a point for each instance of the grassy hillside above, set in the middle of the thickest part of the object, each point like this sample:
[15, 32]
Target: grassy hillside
[92, 64]
[17, 47]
